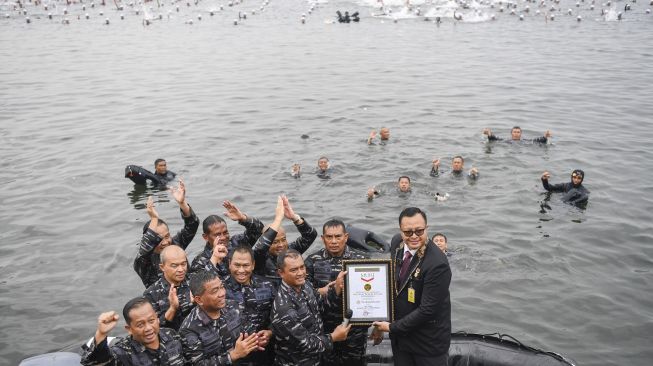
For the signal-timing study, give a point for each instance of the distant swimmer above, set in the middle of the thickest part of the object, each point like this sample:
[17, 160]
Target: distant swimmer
[441, 241]
[384, 136]
[575, 192]
[515, 135]
[323, 168]
[403, 186]
[160, 177]
[457, 168]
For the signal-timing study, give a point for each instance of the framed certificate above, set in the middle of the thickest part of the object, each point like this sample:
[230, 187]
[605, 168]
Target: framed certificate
[368, 290]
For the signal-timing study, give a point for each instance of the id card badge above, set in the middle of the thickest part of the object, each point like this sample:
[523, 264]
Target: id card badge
[411, 295]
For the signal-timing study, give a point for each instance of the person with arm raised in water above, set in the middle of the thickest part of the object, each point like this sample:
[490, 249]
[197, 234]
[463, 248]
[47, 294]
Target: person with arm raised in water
[515, 135]
[575, 192]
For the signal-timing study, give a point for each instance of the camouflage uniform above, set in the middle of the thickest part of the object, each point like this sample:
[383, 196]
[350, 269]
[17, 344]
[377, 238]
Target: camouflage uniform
[253, 229]
[128, 352]
[322, 268]
[254, 302]
[147, 262]
[157, 294]
[297, 325]
[207, 341]
[266, 264]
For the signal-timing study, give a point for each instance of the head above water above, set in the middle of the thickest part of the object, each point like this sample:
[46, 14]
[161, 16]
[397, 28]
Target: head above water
[404, 183]
[160, 166]
[323, 163]
[441, 241]
[457, 164]
[515, 133]
[384, 133]
[577, 177]
[142, 322]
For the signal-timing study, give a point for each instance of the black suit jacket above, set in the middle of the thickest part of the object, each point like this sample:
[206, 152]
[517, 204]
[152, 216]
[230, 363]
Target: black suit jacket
[422, 327]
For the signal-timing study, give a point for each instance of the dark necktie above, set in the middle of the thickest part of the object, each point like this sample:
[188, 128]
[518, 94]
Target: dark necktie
[404, 267]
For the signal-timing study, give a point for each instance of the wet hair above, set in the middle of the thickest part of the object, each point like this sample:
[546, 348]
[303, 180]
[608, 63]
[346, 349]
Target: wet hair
[410, 212]
[515, 128]
[333, 223]
[402, 177]
[157, 161]
[458, 157]
[147, 224]
[281, 258]
[579, 172]
[210, 221]
[132, 304]
[199, 279]
[439, 234]
[242, 248]
[323, 157]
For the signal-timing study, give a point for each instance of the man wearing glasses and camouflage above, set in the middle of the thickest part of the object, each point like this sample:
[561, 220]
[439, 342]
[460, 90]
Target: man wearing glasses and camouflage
[421, 332]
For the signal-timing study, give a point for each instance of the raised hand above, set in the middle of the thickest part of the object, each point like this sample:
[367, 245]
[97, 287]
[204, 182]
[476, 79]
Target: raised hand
[219, 251]
[436, 163]
[233, 212]
[151, 211]
[372, 136]
[546, 175]
[179, 192]
[296, 170]
[288, 212]
[486, 131]
[105, 323]
[370, 192]
[548, 134]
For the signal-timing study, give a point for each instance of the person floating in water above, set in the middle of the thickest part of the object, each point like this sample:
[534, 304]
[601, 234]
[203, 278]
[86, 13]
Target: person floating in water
[347, 18]
[575, 192]
[441, 241]
[403, 186]
[160, 177]
[384, 136]
[515, 135]
[323, 170]
[457, 168]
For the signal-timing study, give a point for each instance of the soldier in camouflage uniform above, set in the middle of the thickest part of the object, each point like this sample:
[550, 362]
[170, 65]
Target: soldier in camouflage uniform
[170, 295]
[156, 236]
[147, 344]
[216, 233]
[273, 241]
[254, 295]
[322, 269]
[211, 334]
[296, 315]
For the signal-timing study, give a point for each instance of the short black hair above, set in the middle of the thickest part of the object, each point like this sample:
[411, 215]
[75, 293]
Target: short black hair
[333, 223]
[410, 212]
[290, 253]
[199, 279]
[211, 220]
[242, 248]
[458, 157]
[439, 234]
[134, 303]
[516, 128]
[159, 223]
[157, 161]
[402, 177]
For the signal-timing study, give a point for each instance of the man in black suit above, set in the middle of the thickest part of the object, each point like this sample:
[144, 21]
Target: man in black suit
[421, 332]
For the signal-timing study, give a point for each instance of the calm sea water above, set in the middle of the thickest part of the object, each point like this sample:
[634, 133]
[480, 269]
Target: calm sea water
[226, 106]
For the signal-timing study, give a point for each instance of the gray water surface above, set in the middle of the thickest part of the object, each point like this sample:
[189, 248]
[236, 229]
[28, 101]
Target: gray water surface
[226, 106]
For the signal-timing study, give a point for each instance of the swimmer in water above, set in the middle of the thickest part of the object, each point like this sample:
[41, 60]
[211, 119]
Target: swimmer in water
[575, 192]
[457, 168]
[515, 135]
[384, 136]
[440, 240]
[323, 168]
[403, 186]
[162, 172]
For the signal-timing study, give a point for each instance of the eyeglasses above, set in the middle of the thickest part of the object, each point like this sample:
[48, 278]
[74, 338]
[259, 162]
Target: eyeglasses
[418, 232]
